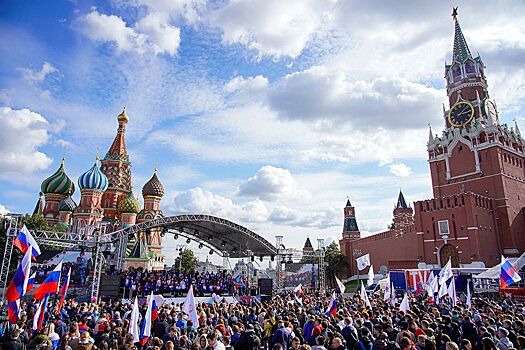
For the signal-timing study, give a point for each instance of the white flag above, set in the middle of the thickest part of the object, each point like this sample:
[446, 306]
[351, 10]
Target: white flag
[386, 296]
[363, 261]
[340, 285]
[134, 321]
[442, 290]
[446, 272]
[190, 307]
[364, 295]
[469, 301]
[434, 285]
[404, 306]
[370, 280]
[452, 292]
[393, 295]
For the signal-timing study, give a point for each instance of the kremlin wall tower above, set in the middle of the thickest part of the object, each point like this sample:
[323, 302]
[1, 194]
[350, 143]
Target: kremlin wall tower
[106, 195]
[477, 166]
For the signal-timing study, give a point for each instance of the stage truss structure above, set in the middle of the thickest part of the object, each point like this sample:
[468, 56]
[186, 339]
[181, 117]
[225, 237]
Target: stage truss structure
[103, 238]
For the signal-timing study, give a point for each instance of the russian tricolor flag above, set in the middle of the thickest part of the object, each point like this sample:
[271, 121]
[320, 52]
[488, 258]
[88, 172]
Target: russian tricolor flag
[332, 307]
[51, 283]
[18, 286]
[38, 319]
[24, 240]
[154, 311]
[508, 275]
[145, 330]
[31, 282]
[13, 311]
[63, 291]
[298, 290]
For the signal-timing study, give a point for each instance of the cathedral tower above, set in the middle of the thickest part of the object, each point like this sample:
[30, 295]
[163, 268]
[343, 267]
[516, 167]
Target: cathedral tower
[55, 189]
[117, 168]
[89, 211]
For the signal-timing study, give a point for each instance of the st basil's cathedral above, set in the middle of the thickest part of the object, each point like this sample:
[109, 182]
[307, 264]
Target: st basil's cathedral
[106, 195]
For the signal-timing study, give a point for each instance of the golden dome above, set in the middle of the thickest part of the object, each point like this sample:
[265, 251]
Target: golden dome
[122, 117]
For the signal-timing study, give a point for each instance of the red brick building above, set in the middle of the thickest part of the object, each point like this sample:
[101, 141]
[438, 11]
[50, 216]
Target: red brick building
[477, 166]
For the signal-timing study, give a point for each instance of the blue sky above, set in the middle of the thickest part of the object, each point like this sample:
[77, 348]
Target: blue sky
[265, 112]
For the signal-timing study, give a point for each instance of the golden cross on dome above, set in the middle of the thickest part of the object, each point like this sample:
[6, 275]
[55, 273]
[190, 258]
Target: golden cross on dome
[454, 12]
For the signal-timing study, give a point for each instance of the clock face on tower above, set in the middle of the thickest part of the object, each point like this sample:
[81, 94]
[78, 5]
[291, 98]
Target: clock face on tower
[461, 114]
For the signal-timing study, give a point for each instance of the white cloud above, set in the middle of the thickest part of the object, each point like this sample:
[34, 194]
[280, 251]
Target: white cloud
[162, 36]
[324, 218]
[272, 27]
[240, 83]
[22, 132]
[199, 201]
[271, 183]
[38, 76]
[320, 93]
[103, 28]
[400, 169]
[3, 210]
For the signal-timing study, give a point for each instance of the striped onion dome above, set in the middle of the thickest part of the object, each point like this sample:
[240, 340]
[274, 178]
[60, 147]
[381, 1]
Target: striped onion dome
[129, 204]
[67, 204]
[93, 179]
[58, 183]
[153, 187]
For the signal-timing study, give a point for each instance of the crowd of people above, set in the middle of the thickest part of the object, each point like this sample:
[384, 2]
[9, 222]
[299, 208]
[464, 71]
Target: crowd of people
[175, 283]
[282, 323]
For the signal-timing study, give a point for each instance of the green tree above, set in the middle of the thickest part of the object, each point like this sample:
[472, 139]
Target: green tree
[186, 261]
[336, 263]
[35, 222]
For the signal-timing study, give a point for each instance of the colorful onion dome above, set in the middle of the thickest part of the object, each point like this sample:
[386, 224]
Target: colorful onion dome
[129, 204]
[58, 183]
[93, 179]
[67, 204]
[153, 187]
[123, 117]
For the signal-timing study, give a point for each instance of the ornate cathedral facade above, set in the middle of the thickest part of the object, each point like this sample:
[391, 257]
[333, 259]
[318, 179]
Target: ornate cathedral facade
[477, 166]
[106, 195]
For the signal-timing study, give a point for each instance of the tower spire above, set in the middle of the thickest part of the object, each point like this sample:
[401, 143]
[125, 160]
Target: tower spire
[461, 51]
[401, 203]
[430, 135]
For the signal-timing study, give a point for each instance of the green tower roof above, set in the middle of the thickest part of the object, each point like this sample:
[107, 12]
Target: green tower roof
[58, 183]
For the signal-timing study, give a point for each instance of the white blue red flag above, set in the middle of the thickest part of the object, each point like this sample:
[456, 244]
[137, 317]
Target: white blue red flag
[24, 240]
[31, 282]
[13, 311]
[508, 274]
[38, 319]
[63, 291]
[18, 286]
[298, 290]
[50, 284]
[145, 331]
[332, 307]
